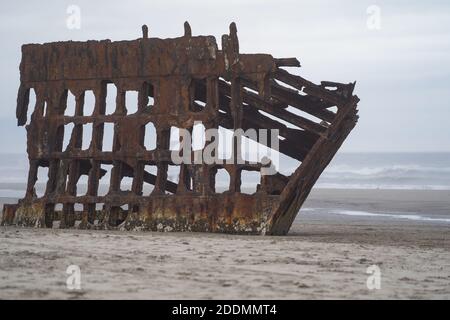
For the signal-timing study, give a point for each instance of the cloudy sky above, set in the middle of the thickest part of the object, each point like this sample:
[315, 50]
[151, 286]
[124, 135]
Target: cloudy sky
[402, 68]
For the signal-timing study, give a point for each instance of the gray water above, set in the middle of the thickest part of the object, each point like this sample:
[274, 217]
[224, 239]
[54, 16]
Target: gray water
[428, 171]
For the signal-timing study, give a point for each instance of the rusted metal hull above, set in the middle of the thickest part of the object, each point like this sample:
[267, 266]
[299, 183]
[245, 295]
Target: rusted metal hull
[188, 79]
[227, 213]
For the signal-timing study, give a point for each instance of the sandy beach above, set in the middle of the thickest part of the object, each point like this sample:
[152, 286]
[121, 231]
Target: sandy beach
[325, 255]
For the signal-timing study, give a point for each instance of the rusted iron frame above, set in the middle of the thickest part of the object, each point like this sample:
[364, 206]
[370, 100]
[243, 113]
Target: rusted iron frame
[237, 102]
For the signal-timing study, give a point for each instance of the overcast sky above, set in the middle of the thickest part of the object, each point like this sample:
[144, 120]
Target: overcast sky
[402, 69]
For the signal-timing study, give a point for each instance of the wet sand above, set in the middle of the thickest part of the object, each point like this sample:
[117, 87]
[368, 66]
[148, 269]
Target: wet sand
[324, 256]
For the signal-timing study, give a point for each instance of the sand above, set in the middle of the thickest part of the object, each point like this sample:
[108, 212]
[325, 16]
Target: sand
[325, 256]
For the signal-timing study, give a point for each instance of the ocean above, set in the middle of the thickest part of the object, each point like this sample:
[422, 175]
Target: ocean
[413, 171]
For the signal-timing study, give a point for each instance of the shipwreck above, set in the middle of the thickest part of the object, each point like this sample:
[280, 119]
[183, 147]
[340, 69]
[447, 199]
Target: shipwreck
[178, 82]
